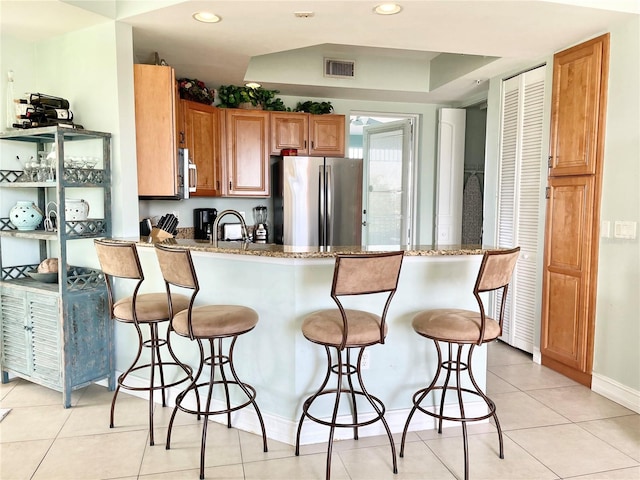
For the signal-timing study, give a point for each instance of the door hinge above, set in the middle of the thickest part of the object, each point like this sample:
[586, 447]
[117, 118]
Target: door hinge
[550, 161]
[547, 192]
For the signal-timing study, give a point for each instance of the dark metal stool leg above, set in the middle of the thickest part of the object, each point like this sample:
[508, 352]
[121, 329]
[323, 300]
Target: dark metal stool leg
[379, 411]
[122, 377]
[310, 400]
[458, 366]
[251, 396]
[216, 360]
[343, 368]
[192, 386]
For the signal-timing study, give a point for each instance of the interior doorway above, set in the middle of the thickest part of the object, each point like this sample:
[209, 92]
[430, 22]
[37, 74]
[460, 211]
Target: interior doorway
[474, 162]
[387, 145]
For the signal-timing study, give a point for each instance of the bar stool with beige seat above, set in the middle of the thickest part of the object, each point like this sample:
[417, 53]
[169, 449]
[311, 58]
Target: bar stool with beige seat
[213, 324]
[464, 328]
[120, 260]
[342, 330]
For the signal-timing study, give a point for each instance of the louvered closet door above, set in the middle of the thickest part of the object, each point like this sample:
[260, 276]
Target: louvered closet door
[520, 195]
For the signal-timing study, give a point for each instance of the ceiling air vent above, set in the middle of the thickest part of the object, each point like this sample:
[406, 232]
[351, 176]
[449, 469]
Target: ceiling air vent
[339, 68]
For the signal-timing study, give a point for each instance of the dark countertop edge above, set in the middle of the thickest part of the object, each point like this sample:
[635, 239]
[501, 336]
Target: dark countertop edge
[286, 251]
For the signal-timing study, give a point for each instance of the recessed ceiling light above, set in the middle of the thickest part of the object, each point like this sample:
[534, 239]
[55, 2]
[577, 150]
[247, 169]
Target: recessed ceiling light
[206, 17]
[388, 9]
[252, 85]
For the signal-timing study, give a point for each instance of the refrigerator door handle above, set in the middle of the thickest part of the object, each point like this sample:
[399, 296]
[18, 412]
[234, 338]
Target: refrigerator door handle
[322, 211]
[328, 185]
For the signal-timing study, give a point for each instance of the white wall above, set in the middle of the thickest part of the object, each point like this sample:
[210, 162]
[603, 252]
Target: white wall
[617, 341]
[92, 68]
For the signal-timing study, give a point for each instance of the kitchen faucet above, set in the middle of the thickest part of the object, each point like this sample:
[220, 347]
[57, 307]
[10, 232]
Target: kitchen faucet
[243, 226]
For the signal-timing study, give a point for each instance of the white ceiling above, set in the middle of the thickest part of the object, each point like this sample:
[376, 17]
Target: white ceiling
[518, 32]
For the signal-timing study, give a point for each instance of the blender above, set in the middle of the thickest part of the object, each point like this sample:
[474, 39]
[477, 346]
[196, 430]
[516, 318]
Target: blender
[260, 233]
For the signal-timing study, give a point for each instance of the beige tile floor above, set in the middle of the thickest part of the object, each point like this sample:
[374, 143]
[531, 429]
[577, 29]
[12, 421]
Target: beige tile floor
[553, 427]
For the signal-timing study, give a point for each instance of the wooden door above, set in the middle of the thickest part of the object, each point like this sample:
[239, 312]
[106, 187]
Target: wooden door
[576, 109]
[247, 162]
[326, 134]
[571, 232]
[289, 130]
[203, 142]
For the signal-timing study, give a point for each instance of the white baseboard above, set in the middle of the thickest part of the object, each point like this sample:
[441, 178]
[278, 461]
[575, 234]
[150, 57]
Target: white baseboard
[284, 430]
[615, 391]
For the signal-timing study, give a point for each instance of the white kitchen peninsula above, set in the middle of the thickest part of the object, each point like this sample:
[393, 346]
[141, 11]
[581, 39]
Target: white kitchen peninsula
[283, 284]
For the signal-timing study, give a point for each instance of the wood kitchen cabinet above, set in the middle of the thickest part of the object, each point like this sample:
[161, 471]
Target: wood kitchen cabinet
[246, 134]
[289, 130]
[570, 269]
[326, 135]
[314, 135]
[203, 139]
[156, 130]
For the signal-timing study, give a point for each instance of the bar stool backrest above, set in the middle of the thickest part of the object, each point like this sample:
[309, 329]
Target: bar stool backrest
[366, 274]
[119, 259]
[495, 273]
[177, 267]
[361, 274]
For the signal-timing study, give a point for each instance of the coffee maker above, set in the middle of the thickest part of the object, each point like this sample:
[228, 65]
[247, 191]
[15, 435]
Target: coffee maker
[260, 233]
[203, 219]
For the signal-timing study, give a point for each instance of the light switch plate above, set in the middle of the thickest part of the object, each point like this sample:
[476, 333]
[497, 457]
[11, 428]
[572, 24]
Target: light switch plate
[625, 229]
[605, 229]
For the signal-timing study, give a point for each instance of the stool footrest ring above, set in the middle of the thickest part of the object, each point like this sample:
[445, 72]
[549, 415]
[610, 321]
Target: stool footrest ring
[308, 402]
[188, 371]
[423, 393]
[250, 398]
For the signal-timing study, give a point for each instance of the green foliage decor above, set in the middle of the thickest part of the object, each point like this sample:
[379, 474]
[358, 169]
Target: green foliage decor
[316, 108]
[232, 96]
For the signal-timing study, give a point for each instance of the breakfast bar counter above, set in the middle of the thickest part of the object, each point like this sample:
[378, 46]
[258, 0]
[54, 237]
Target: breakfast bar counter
[288, 251]
[284, 284]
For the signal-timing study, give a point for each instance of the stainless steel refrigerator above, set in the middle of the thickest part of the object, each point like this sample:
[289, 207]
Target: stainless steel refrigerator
[317, 201]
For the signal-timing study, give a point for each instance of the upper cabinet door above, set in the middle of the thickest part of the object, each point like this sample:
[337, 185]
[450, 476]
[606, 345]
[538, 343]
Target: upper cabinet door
[156, 147]
[247, 162]
[326, 134]
[578, 84]
[289, 130]
[203, 141]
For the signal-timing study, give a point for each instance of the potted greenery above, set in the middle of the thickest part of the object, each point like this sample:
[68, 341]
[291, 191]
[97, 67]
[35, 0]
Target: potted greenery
[316, 108]
[232, 96]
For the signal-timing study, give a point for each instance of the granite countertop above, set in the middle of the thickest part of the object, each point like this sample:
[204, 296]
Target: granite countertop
[288, 251]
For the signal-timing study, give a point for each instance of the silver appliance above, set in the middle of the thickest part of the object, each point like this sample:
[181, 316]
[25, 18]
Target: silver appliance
[188, 176]
[317, 201]
[260, 233]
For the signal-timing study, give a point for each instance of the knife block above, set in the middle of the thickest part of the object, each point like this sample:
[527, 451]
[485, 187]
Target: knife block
[156, 233]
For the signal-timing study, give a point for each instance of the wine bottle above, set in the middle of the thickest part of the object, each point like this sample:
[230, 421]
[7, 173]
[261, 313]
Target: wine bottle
[49, 100]
[47, 112]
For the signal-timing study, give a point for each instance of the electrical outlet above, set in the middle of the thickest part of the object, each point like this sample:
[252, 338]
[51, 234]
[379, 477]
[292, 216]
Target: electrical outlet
[364, 363]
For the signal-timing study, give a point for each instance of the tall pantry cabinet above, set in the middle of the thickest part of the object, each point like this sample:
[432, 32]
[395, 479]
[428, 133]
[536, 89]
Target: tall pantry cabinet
[58, 334]
[573, 208]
